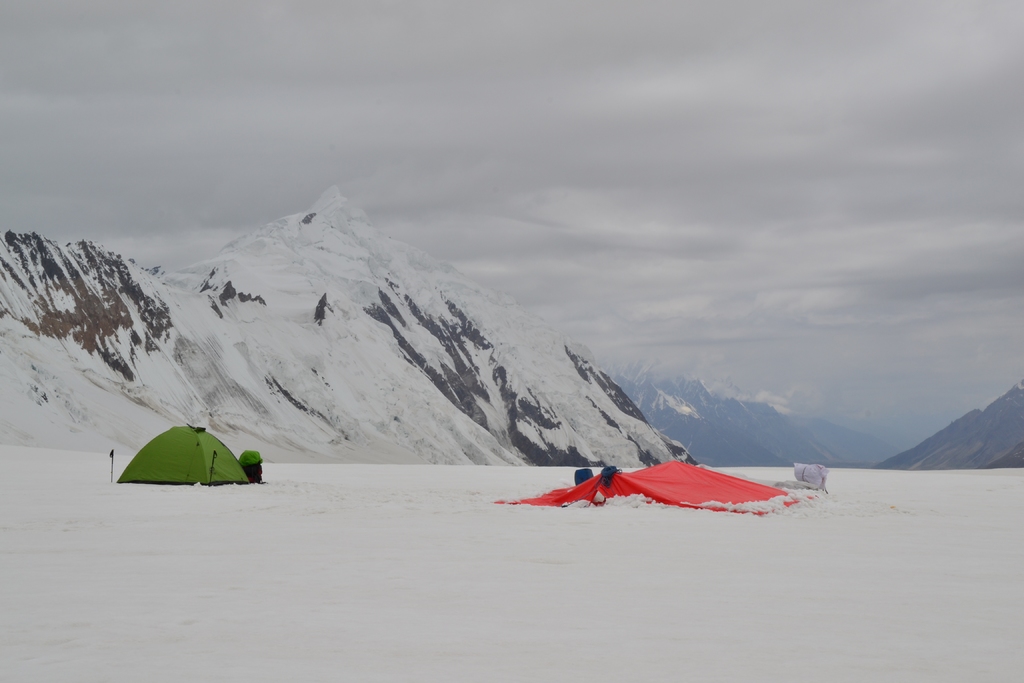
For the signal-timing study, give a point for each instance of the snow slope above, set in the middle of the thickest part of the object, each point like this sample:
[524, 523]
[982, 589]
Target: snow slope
[384, 573]
[314, 337]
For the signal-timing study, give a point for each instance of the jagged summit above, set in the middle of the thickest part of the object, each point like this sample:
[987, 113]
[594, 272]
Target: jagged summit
[330, 199]
[336, 209]
[314, 334]
[333, 249]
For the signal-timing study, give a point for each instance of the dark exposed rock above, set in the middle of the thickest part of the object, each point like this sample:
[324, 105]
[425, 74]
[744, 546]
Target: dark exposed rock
[550, 456]
[31, 249]
[457, 387]
[580, 364]
[460, 382]
[308, 218]
[206, 283]
[274, 385]
[451, 339]
[411, 354]
[98, 283]
[679, 453]
[116, 362]
[609, 387]
[243, 297]
[533, 411]
[618, 396]
[229, 293]
[645, 455]
[154, 313]
[467, 329]
[390, 307]
[607, 418]
[321, 310]
[464, 376]
[547, 455]
[40, 395]
[10, 269]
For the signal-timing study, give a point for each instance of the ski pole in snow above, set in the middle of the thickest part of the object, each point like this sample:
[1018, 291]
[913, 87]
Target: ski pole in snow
[111, 465]
[213, 461]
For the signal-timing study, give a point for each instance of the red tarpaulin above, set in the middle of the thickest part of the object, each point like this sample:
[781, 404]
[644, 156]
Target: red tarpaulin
[671, 483]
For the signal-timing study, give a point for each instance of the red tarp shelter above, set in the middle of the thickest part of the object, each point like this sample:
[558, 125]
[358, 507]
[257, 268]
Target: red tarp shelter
[671, 483]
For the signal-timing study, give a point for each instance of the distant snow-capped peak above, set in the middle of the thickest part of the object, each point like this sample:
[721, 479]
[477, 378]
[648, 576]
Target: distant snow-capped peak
[313, 335]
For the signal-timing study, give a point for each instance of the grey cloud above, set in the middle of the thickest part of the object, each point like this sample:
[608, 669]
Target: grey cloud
[818, 200]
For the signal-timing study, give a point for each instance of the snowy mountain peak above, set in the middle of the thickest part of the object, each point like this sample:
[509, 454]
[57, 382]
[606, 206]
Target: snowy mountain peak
[674, 403]
[313, 335]
[330, 200]
[334, 209]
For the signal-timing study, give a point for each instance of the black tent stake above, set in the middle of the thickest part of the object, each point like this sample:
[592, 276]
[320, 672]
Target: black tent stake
[111, 465]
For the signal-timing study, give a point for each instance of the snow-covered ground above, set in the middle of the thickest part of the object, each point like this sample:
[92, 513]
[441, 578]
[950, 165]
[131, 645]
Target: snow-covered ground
[411, 573]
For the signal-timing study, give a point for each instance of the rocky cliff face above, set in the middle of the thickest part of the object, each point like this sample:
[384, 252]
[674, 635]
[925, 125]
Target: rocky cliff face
[83, 296]
[975, 440]
[314, 336]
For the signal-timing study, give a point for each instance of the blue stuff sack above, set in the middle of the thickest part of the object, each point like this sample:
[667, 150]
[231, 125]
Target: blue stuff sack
[583, 475]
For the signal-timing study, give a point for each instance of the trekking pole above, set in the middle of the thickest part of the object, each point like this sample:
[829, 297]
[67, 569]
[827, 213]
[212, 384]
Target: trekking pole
[213, 461]
[111, 465]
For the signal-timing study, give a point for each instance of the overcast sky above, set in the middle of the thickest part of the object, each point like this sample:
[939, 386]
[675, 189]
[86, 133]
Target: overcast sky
[820, 204]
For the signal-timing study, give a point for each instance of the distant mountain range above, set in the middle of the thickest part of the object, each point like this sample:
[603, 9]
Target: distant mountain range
[725, 431]
[993, 437]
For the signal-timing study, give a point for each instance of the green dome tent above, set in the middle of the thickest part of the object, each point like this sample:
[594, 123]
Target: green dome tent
[184, 455]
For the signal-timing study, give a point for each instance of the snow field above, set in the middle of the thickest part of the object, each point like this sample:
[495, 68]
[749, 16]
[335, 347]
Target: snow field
[393, 573]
